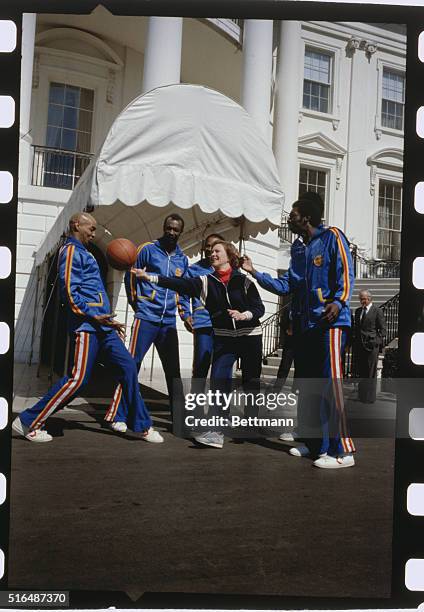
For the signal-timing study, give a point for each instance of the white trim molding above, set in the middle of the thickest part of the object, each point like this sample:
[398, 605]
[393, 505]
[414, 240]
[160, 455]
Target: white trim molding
[386, 163]
[324, 148]
[54, 34]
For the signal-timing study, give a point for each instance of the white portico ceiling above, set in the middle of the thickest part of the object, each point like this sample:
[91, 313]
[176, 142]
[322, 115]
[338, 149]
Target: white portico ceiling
[179, 148]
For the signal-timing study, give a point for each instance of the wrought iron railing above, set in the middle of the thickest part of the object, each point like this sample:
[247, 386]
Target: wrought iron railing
[58, 168]
[373, 268]
[284, 233]
[271, 333]
[391, 314]
[390, 310]
[363, 267]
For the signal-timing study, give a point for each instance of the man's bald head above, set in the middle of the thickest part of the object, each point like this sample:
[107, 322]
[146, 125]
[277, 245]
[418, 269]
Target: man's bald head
[82, 226]
[78, 218]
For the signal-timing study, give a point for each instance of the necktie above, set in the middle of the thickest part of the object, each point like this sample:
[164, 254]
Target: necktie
[364, 312]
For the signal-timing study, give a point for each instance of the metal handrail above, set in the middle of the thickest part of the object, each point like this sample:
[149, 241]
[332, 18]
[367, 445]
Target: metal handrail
[58, 168]
[271, 333]
[390, 310]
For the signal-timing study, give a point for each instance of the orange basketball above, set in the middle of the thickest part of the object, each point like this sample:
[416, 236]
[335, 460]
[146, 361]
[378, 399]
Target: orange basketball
[121, 254]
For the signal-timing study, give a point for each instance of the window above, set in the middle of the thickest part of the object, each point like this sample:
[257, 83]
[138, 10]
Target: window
[70, 118]
[389, 219]
[393, 99]
[312, 180]
[317, 81]
[69, 127]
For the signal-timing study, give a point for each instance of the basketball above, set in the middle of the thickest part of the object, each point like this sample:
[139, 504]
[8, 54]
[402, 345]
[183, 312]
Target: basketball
[121, 254]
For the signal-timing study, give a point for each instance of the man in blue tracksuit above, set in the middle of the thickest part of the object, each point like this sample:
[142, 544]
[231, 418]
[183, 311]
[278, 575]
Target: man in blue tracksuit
[320, 279]
[92, 328]
[155, 307]
[199, 316]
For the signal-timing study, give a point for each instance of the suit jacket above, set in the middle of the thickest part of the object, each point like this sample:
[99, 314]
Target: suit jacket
[370, 331]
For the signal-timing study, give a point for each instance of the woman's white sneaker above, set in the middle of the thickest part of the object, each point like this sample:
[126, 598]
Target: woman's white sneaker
[37, 435]
[335, 463]
[299, 451]
[119, 426]
[151, 435]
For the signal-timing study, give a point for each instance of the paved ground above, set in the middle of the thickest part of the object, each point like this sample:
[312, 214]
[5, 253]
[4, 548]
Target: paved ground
[97, 510]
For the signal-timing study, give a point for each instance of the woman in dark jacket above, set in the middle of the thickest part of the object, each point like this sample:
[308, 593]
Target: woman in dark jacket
[235, 307]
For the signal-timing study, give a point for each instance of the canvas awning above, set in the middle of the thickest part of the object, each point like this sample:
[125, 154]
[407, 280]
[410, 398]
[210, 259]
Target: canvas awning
[179, 148]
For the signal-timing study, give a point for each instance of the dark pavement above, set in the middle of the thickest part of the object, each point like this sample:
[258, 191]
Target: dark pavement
[105, 511]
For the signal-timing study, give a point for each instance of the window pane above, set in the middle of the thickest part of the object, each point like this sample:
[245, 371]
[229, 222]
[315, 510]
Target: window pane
[393, 86]
[389, 220]
[85, 120]
[87, 99]
[55, 115]
[57, 93]
[72, 96]
[53, 137]
[312, 180]
[317, 66]
[73, 125]
[393, 98]
[83, 142]
[70, 117]
[69, 140]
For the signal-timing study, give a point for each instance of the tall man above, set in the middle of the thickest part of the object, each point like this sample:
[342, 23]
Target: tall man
[155, 307]
[93, 328]
[320, 279]
[369, 330]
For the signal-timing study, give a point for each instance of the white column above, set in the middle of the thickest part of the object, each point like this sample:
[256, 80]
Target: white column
[289, 77]
[28, 43]
[359, 219]
[257, 71]
[162, 54]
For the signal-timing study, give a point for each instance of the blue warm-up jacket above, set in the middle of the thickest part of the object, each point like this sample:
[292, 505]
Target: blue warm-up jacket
[148, 300]
[198, 311]
[320, 272]
[81, 287]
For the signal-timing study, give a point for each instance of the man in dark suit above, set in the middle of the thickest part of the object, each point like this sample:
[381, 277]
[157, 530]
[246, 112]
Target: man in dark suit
[369, 330]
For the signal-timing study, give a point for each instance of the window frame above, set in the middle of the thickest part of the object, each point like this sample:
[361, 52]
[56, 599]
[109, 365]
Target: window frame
[399, 68]
[311, 40]
[330, 85]
[390, 179]
[62, 76]
[318, 167]
[76, 130]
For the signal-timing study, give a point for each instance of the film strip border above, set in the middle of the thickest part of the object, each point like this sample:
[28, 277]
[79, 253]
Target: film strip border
[408, 519]
[9, 148]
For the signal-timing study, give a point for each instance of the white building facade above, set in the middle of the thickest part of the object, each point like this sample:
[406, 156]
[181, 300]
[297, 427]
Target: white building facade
[328, 96]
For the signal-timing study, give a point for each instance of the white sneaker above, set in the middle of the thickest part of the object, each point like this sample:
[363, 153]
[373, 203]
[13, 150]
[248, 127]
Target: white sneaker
[299, 451]
[303, 451]
[37, 435]
[286, 437]
[151, 435]
[211, 438]
[119, 426]
[335, 463]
